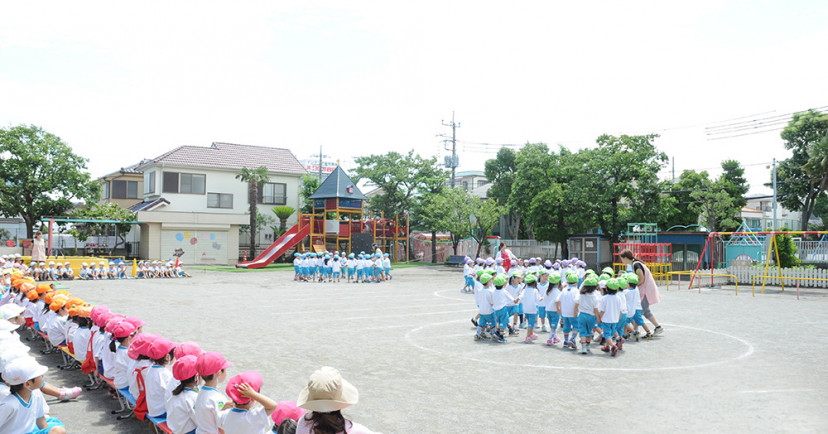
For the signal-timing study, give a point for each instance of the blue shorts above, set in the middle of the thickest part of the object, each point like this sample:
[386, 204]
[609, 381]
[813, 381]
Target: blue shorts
[520, 309]
[637, 318]
[621, 323]
[351, 272]
[530, 320]
[36, 326]
[296, 269]
[502, 317]
[553, 319]
[512, 309]
[377, 271]
[387, 270]
[336, 274]
[609, 329]
[541, 311]
[51, 422]
[586, 322]
[570, 324]
[469, 281]
[486, 320]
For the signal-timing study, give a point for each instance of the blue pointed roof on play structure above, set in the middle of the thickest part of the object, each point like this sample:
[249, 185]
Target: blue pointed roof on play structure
[338, 184]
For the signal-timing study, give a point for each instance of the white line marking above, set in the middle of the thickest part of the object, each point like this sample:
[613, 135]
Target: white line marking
[779, 391]
[744, 355]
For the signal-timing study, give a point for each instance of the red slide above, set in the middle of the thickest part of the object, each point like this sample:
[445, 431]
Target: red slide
[278, 248]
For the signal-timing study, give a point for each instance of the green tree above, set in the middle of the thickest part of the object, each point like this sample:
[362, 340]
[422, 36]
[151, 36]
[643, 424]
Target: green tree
[283, 213]
[400, 177]
[620, 175]
[500, 172]
[426, 215]
[485, 214]
[803, 177]
[310, 183]
[253, 178]
[714, 205]
[787, 250]
[451, 211]
[40, 175]
[104, 211]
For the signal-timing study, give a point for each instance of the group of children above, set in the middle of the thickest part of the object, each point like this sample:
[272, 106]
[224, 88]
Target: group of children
[338, 266]
[585, 305]
[176, 382]
[40, 271]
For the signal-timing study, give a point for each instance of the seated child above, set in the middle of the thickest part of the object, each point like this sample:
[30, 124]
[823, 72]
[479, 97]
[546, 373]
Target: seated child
[68, 274]
[24, 409]
[180, 413]
[247, 417]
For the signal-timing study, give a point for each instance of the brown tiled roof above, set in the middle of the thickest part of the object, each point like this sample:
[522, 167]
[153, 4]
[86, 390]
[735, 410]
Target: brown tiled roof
[232, 156]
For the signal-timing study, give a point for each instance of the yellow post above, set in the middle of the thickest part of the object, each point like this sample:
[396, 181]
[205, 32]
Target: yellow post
[767, 263]
[134, 268]
[778, 264]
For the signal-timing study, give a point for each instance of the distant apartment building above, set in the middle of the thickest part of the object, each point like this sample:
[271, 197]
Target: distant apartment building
[758, 215]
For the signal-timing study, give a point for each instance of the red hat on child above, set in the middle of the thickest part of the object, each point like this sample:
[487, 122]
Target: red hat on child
[159, 347]
[253, 378]
[187, 349]
[211, 362]
[185, 368]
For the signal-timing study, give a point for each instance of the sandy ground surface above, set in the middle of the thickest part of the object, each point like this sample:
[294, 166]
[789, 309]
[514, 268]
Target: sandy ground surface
[725, 363]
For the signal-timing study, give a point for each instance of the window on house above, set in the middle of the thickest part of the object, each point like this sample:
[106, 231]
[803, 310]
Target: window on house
[149, 182]
[219, 200]
[124, 189]
[481, 182]
[465, 185]
[106, 190]
[273, 193]
[192, 183]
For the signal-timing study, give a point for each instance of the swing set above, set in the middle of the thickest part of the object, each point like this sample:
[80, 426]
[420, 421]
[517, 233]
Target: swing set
[715, 240]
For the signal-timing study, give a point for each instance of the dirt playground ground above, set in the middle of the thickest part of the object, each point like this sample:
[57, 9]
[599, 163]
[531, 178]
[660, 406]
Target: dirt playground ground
[725, 363]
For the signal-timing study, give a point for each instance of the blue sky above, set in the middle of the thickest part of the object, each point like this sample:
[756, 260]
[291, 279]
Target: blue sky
[120, 82]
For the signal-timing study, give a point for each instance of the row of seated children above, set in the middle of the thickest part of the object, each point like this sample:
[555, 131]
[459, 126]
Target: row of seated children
[158, 269]
[173, 382]
[531, 265]
[336, 266]
[601, 304]
[14, 261]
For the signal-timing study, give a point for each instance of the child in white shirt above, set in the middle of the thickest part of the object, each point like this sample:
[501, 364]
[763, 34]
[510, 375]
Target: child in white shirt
[212, 367]
[609, 312]
[530, 299]
[566, 306]
[25, 410]
[180, 413]
[386, 263]
[247, 416]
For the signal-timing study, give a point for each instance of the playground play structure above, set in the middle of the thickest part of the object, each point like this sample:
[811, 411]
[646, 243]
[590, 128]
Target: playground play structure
[765, 245]
[338, 222]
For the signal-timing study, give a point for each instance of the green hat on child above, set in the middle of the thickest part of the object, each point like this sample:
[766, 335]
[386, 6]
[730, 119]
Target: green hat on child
[590, 271]
[530, 278]
[555, 279]
[612, 284]
[485, 278]
[516, 273]
[591, 281]
[500, 280]
[632, 278]
[571, 278]
[480, 273]
[603, 277]
[608, 270]
[622, 282]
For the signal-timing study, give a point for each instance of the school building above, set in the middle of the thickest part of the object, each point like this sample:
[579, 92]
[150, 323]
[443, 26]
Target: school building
[189, 202]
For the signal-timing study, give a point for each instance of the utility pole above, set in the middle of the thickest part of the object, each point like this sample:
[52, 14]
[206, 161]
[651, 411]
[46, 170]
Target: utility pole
[320, 163]
[674, 170]
[454, 161]
[774, 196]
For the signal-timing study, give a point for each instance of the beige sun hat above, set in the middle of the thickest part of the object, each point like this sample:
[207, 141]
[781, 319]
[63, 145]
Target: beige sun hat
[327, 391]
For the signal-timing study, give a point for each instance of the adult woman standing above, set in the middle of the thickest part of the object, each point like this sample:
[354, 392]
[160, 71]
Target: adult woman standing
[507, 256]
[38, 248]
[647, 287]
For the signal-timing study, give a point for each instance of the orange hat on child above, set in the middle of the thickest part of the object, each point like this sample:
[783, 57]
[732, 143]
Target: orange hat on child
[48, 297]
[32, 295]
[43, 288]
[56, 305]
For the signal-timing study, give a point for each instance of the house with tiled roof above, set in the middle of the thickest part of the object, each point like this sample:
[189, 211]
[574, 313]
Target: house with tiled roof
[123, 187]
[192, 205]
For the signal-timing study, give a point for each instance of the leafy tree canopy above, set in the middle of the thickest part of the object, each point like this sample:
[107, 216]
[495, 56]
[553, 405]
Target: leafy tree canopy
[40, 175]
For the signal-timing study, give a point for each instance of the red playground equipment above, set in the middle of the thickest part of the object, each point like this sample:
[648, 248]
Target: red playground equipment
[337, 223]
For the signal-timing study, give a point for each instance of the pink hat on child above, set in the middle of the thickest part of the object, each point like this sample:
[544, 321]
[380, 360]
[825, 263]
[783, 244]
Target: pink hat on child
[184, 368]
[159, 348]
[187, 349]
[96, 311]
[102, 318]
[113, 321]
[123, 329]
[211, 362]
[135, 321]
[253, 378]
[139, 344]
[286, 410]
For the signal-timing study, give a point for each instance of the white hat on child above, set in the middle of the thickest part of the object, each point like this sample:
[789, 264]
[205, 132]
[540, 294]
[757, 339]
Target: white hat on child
[22, 369]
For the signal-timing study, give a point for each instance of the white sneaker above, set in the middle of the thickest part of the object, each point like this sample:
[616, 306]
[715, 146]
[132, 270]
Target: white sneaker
[583, 349]
[543, 328]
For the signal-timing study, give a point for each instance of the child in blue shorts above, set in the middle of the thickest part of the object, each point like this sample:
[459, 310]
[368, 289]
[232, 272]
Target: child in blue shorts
[484, 297]
[568, 310]
[634, 316]
[588, 311]
[550, 301]
[609, 312]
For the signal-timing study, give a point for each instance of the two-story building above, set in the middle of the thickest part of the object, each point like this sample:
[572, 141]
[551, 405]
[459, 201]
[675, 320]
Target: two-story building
[758, 215]
[193, 205]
